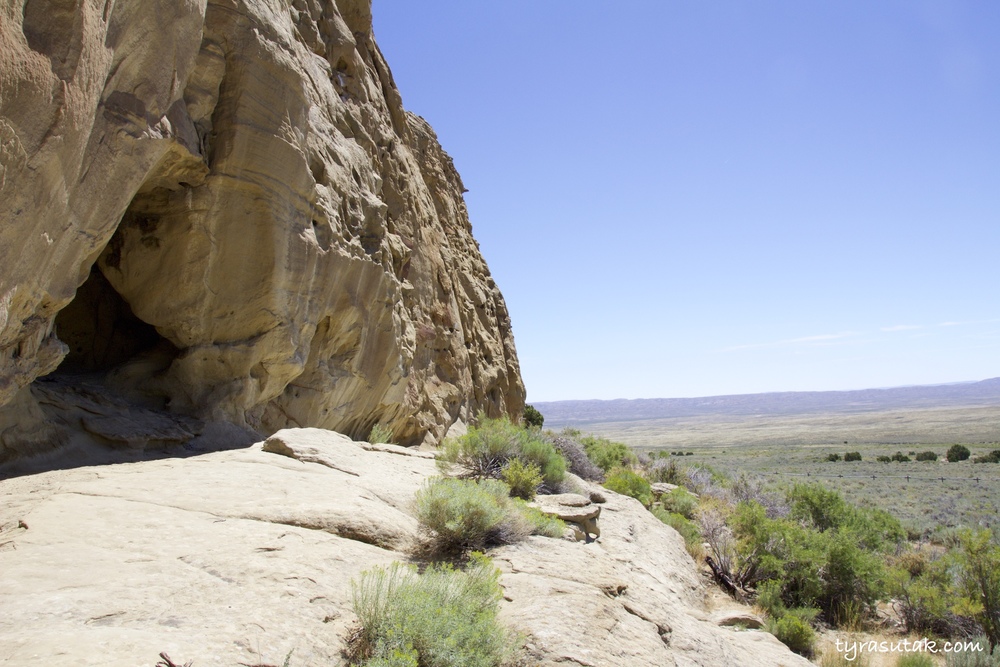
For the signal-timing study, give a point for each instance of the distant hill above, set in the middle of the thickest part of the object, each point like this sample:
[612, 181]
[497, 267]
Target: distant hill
[570, 413]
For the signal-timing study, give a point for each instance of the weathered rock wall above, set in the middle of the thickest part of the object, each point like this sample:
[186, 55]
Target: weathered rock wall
[257, 231]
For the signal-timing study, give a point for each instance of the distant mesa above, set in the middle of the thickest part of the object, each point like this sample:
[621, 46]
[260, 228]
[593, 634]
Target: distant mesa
[559, 414]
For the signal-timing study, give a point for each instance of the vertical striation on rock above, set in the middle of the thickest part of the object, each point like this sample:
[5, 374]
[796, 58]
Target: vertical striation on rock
[235, 219]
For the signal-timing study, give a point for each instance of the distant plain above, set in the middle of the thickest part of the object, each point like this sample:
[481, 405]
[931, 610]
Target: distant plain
[788, 447]
[967, 425]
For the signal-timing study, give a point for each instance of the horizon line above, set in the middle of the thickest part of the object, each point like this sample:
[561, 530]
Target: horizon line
[763, 393]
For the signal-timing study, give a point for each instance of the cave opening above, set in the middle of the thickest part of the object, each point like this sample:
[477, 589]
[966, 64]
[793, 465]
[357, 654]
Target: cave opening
[101, 330]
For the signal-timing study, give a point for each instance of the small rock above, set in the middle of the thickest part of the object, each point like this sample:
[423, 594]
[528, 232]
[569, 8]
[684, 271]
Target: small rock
[663, 488]
[573, 509]
[743, 619]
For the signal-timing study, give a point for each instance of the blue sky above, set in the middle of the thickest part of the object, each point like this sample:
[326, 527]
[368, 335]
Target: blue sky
[686, 198]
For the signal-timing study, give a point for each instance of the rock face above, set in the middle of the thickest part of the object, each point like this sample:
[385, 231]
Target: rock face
[234, 219]
[242, 556]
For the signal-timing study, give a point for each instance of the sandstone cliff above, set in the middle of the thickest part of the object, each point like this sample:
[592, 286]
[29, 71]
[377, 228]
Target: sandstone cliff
[241, 557]
[220, 209]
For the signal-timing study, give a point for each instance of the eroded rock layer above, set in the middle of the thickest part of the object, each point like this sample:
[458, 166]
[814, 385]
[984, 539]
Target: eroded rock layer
[221, 208]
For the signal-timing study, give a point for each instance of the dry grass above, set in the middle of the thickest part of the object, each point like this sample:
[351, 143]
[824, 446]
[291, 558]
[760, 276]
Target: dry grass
[967, 425]
[829, 656]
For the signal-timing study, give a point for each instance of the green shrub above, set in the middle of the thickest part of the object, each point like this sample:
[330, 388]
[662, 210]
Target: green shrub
[953, 593]
[666, 470]
[680, 501]
[549, 461]
[687, 529]
[978, 561]
[900, 457]
[769, 598]
[833, 457]
[927, 456]
[522, 478]
[854, 580]
[575, 456]
[533, 417]
[627, 482]
[974, 658]
[915, 660]
[486, 448]
[380, 433]
[539, 522]
[779, 549]
[852, 456]
[825, 509]
[826, 554]
[924, 596]
[992, 457]
[882, 458]
[442, 618]
[957, 453]
[606, 454]
[464, 514]
[820, 507]
[794, 632]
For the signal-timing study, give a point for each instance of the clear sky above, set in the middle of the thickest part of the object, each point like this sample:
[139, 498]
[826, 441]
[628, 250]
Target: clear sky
[689, 198]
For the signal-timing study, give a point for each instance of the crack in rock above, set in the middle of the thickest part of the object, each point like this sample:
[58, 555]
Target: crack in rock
[663, 630]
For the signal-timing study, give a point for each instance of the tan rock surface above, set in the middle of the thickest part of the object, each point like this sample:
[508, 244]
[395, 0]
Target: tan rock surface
[242, 556]
[223, 558]
[234, 219]
[633, 597]
[574, 509]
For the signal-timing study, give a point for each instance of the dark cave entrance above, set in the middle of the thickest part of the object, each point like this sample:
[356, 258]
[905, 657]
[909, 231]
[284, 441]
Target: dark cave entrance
[101, 330]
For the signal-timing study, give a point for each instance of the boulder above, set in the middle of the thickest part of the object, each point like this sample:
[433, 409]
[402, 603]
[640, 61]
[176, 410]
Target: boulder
[738, 619]
[574, 509]
[663, 488]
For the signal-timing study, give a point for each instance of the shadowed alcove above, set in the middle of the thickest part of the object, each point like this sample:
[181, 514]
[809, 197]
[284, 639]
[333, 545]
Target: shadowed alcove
[101, 330]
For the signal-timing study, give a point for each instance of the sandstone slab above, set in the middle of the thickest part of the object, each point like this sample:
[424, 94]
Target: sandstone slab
[633, 597]
[246, 555]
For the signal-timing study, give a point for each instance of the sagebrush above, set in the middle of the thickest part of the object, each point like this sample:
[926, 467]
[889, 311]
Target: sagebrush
[441, 618]
[462, 515]
[489, 446]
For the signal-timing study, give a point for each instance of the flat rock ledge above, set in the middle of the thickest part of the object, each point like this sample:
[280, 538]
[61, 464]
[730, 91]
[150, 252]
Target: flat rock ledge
[245, 556]
[577, 511]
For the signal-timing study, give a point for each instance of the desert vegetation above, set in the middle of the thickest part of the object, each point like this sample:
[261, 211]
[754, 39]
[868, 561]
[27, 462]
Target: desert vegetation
[493, 445]
[497, 466]
[799, 550]
[805, 555]
[532, 417]
[460, 515]
[446, 615]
